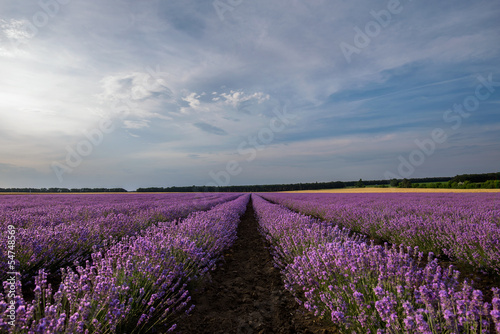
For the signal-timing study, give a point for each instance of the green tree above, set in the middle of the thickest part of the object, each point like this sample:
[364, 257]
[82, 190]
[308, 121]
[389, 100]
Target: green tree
[360, 184]
[406, 183]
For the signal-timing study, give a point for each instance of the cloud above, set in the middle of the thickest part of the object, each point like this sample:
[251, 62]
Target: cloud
[192, 85]
[13, 33]
[136, 124]
[235, 98]
[15, 29]
[210, 128]
[192, 99]
[137, 86]
[134, 95]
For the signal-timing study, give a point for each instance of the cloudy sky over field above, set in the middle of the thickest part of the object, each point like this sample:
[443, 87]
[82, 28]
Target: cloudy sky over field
[157, 93]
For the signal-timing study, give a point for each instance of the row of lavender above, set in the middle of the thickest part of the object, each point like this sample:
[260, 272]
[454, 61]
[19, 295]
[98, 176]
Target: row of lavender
[464, 227]
[54, 231]
[24, 211]
[139, 283]
[364, 288]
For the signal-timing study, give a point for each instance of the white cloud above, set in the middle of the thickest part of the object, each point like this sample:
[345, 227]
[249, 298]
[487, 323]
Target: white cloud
[13, 32]
[192, 99]
[133, 86]
[134, 95]
[15, 29]
[136, 124]
[236, 97]
[233, 99]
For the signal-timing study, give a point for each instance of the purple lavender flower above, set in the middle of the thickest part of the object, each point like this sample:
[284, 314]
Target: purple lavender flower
[107, 294]
[362, 280]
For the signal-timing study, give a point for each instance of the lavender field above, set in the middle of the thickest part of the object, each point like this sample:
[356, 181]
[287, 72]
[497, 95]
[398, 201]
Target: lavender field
[463, 227]
[133, 258]
[56, 230]
[366, 288]
[359, 263]
[249, 167]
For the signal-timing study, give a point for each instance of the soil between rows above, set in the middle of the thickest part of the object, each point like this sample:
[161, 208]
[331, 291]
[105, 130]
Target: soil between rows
[246, 294]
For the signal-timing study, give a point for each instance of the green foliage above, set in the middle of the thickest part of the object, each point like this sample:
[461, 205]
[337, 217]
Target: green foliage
[490, 184]
[476, 178]
[405, 184]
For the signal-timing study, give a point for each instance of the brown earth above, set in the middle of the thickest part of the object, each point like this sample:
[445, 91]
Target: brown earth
[246, 294]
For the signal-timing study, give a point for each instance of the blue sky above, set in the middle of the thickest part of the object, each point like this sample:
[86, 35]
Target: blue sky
[158, 93]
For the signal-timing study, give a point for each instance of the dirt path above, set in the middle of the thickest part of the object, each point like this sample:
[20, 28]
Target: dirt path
[246, 294]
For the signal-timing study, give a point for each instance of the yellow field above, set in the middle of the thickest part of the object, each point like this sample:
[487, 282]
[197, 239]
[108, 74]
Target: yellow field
[396, 190]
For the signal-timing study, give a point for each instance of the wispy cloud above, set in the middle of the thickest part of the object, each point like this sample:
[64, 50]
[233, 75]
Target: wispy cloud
[210, 128]
[135, 124]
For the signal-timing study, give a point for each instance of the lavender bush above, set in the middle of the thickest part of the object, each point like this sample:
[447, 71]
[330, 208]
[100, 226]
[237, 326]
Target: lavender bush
[139, 283]
[464, 227]
[365, 288]
[55, 230]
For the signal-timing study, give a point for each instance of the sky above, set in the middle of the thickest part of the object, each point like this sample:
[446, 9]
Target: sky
[130, 94]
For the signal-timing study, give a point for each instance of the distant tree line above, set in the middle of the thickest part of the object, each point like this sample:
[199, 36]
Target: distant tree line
[63, 190]
[490, 184]
[464, 181]
[459, 181]
[477, 177]
[250, 188]
[287, 187]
